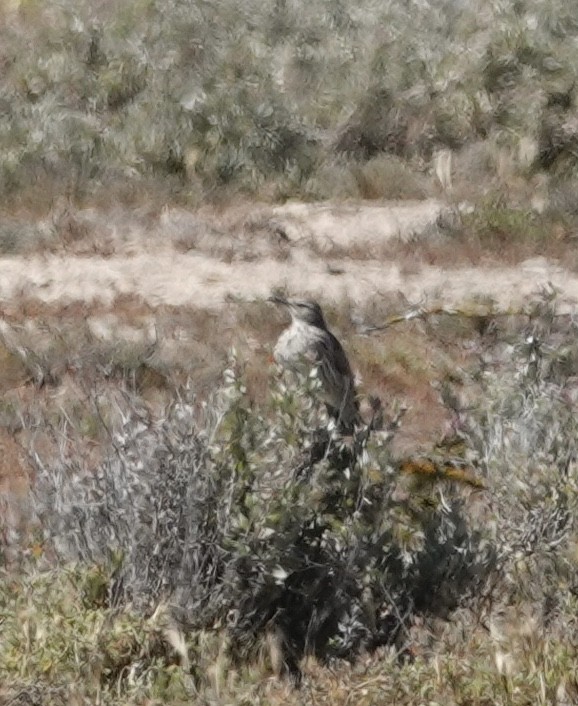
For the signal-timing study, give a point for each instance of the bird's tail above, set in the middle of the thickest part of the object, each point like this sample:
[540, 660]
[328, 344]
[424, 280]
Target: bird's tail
[347, 416]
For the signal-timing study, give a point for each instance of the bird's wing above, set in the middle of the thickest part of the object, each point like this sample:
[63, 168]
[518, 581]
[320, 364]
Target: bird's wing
[339, 357]
[334, 366]
[339, 384]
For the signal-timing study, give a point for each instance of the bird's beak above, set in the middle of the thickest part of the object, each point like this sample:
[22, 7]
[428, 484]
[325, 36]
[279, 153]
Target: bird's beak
[278, 299]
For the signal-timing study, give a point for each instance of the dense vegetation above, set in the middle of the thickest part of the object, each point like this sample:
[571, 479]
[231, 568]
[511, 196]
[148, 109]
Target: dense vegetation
[280, 99]
[178, 547]
[219, 536]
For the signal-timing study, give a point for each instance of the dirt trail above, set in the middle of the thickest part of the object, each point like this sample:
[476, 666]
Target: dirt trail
[203, 261]
[205, 279]
[199, 281]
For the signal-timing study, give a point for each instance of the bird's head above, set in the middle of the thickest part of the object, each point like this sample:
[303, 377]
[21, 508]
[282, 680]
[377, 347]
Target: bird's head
[305, 310]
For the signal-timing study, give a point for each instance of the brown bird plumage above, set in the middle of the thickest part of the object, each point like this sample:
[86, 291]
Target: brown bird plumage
[307, 343]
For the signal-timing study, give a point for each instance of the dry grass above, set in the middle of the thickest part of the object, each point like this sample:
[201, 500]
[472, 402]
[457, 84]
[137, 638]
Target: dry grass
[515, 663]
[156, 347]
[489, 236]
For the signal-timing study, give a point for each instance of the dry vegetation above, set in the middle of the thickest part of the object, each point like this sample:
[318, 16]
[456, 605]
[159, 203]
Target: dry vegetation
[177, 525]
[177, 100]
[179, 546]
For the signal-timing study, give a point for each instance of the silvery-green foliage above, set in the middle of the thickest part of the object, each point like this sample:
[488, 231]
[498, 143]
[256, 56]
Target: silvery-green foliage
[226, 93]
[135, 509]
[260, 517]
[523, 430]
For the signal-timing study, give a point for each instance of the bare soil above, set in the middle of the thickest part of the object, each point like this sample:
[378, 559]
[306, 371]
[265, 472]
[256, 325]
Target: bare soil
[333, 253]
[192, 285]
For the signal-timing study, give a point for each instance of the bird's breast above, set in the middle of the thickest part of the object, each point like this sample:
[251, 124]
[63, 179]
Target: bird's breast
[295, 347]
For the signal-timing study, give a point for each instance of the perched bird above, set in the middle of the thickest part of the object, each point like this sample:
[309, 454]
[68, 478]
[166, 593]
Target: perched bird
[308, 343]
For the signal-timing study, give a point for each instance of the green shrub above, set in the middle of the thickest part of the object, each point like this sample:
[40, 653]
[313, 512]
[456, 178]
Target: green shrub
[495, 225]
[266, 519]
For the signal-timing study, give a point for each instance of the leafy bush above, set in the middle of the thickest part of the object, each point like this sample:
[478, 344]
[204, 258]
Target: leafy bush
[259, 526]
[264, 520]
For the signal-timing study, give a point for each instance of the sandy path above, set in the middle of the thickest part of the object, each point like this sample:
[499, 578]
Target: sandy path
[207, 277]
[200, 281]
[361, 224]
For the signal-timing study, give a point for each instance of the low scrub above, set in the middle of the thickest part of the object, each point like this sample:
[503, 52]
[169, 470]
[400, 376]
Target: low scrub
[263, 99]
[218, 532]
[263, 520]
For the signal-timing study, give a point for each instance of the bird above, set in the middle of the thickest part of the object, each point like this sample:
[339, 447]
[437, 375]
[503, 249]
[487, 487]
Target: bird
[308, 343]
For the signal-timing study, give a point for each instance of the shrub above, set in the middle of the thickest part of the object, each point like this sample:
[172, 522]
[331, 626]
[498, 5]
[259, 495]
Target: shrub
[523, 433]
[259, 524]
[227, 98]
[264, 519]
[495, 225]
